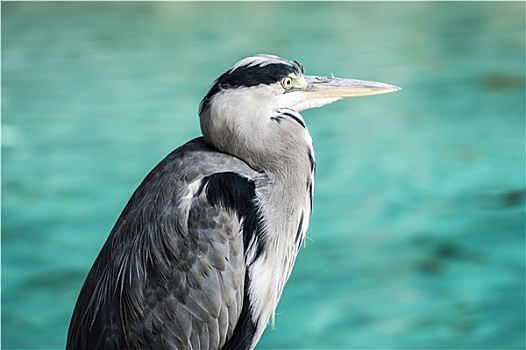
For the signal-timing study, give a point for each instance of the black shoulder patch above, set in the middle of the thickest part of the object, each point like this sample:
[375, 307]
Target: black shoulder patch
[230, 190]
[237, 193]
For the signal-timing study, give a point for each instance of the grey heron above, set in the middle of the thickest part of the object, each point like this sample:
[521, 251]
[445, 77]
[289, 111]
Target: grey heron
[201, 252]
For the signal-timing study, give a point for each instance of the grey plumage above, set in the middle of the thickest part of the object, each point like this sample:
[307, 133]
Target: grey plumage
[200, 254]
[172, 270]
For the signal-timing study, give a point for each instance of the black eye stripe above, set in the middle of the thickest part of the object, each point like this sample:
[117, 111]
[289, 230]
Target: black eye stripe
[247, 76]
[255, 75]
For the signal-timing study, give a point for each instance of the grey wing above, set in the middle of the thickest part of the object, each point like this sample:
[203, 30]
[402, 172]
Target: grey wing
[200, 304]
[172, 273]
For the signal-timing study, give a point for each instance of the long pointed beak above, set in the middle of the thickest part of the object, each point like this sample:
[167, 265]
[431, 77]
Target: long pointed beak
[318, 91]
[337, 88]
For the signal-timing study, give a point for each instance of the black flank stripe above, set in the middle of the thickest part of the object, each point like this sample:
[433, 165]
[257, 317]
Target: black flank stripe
[245, 327]
[311, 160]
[298, 232]
[310, 195]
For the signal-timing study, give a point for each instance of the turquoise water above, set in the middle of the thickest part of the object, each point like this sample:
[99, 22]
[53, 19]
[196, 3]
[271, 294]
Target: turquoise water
[417, 237]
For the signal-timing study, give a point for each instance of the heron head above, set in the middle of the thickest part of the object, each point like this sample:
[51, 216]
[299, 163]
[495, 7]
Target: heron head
[287, 85]
[242, 100]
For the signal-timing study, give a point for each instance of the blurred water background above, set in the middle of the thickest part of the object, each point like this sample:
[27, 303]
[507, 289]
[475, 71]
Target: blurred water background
[417, 237]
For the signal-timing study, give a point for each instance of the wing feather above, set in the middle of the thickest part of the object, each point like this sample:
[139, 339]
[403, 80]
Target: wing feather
[172, 272]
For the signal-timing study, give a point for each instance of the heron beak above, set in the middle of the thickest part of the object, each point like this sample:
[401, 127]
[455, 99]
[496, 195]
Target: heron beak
[330, 88]
[318, 91]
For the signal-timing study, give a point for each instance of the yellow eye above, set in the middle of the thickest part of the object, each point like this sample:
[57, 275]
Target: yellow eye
[286, 83]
